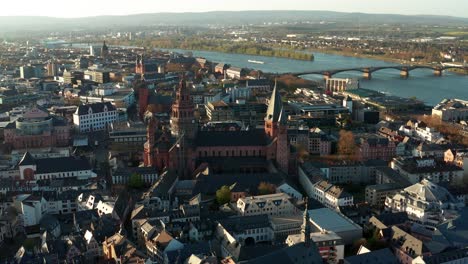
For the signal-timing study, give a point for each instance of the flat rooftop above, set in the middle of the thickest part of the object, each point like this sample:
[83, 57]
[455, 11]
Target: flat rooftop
[327, 219]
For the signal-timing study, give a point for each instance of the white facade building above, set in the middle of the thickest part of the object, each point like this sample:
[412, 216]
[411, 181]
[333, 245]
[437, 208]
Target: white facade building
[31, 208]
[277, 204]
[32, 169]
[421, 131]
[425, 203]
[94, 117]
[451, 110]
[331, 196]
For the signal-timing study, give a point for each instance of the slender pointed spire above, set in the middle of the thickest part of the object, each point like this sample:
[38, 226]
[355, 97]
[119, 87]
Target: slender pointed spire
[283, 117]
[275, 106]
[306, 229]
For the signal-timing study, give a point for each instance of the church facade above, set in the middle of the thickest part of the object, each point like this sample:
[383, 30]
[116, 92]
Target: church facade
[185, 147]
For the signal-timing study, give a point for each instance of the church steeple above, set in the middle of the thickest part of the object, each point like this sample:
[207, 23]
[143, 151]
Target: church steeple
[104, 50]
[306, 229]
[274, 113]
[275, 106]
[283, 119]
[182, 118]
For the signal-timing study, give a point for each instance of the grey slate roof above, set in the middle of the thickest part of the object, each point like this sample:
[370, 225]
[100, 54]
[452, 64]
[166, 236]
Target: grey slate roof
[456, 230]
[27, 160]
[163, 185]
[298, 253]
[448, 256]
[96, 107]
[255, 137]
[62, 164]
[239, 224]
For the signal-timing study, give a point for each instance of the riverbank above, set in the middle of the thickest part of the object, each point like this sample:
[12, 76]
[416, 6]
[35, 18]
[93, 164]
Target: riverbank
[243, 48]
[358, 55]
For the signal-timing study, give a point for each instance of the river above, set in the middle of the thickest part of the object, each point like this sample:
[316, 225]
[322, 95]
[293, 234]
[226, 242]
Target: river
[421, 83]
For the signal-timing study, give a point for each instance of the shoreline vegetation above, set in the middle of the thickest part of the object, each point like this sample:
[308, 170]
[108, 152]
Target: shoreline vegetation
[246, 48]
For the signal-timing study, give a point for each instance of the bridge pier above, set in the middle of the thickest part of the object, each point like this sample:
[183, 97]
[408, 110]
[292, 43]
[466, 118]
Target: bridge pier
[404, 73]
[367, 75]
[438, 72]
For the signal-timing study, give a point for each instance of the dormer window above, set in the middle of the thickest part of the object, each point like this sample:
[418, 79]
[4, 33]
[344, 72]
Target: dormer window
[105, 108]
[90, 111]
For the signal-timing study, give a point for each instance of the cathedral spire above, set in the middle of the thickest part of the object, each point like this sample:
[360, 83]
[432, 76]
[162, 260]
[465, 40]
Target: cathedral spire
[275, 106]
[306, 229]
[283, 118]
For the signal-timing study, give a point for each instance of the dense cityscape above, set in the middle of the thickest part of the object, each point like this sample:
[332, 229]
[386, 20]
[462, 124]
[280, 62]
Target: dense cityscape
[122, 144]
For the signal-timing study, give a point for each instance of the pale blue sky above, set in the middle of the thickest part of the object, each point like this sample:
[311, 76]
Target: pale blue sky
[80, 8]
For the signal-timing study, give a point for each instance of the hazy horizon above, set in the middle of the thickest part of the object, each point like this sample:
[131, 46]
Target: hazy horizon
[92, 8]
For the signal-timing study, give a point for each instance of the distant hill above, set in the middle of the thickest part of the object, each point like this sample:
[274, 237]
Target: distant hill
[29, 23]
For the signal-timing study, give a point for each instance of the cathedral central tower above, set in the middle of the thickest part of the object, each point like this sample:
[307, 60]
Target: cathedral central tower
[182, 118]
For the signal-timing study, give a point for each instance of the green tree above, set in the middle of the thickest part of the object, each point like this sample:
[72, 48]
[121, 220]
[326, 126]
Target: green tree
[346, 143]
[29, 244]
[223, 195]
[135, 181]
[266, 188]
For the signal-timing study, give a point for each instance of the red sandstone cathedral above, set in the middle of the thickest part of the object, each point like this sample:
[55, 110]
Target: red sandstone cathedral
[184, 147]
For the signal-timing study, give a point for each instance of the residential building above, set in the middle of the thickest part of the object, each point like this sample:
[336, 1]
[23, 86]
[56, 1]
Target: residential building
[406, 247]
[99, 76]
[345, 172]
[371, 147]
[451, 110]
[376, 194]
[331, 196]
[221, 68]
[31, 71]
[421, 131]
[148, 175]
[417, 169]
[278, 204]
[118, 97]
[244, 230]
[329, 244]
[235, 72]
[219, 111]
[31, 208]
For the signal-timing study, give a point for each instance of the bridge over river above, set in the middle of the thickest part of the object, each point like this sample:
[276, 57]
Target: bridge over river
[367, 71]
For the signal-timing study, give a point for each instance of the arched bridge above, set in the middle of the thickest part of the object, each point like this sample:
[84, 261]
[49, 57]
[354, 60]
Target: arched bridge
[367, 71]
